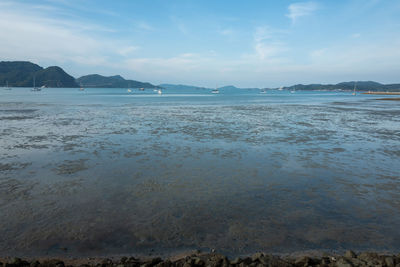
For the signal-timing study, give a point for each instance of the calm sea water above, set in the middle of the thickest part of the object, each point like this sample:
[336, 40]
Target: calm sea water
[104, 171]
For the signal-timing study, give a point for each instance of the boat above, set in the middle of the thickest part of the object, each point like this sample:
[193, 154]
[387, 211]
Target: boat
[159, 91]
[280, 88]
[354, 90]
[215, 91]
[263, 91]
[141, 89]
[129, 90]
[294, 90]
[7, 88]
[35, 89]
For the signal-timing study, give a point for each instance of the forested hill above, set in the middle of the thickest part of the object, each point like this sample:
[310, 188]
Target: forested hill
[99, 81]
[23, 74]
[348, 86]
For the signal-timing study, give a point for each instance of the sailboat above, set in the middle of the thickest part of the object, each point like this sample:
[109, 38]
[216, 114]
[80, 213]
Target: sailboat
[263, 91]
[215, 91]
[81, 87]
[159, 91]
[7, 88]
[294, 90]
[354, 90]
[129, 91]
[35, 89]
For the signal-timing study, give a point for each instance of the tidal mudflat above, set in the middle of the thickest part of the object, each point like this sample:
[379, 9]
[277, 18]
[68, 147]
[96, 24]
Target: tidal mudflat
[109, 173]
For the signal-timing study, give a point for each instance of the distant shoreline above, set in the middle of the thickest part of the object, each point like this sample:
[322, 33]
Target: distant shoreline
[381, 93]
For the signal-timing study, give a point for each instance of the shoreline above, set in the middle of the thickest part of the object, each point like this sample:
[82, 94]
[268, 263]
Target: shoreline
[381, 93]
[198, 259]
[389, 98]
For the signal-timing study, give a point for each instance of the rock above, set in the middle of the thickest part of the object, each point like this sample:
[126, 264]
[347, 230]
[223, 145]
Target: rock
[166, 263]
[17, 262]
[366, 256]
[343, 263]
[350, 254]
[246, 261]
[52, 263]
[389, 261]
[303, 261]
[270, 260]
[106, 262]
[155, 261]
[257, 256]
[124, 259]
[34, 263]
[236, 261]
[198, 262]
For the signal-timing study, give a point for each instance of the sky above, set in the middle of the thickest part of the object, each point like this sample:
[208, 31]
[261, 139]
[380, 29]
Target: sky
[206, 42]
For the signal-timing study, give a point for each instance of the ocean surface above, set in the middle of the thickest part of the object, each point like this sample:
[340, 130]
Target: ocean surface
[107, 172]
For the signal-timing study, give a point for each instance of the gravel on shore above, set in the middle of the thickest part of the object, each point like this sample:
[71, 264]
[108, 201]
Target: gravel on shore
[349, 259]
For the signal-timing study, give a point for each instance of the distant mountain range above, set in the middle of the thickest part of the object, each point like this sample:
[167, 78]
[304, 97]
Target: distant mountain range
[191, 87]
[346, 86]
[98, 81]
[23, 74]
[181, 87]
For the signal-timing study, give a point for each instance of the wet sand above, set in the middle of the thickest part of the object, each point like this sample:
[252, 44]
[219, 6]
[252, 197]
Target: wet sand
[79, 180]
[391, 99]
[381, 93]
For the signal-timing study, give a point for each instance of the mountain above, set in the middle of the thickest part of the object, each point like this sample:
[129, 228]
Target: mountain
[182, 87]
[54, 77]
[22, 73]
[99, 81]
[347, 86]
[231, 87]
[191, 87]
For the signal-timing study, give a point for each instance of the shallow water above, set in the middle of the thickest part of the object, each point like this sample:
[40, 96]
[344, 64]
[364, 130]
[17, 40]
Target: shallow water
[105, 172]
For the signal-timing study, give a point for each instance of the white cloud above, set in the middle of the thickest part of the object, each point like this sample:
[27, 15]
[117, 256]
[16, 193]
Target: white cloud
[301, 9]
[30, 33]
[226, 32]
[267, 43]
[128, 50]
[144, 26]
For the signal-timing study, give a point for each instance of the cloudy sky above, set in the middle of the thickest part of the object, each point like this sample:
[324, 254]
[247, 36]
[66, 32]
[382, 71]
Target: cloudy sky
[207, 42]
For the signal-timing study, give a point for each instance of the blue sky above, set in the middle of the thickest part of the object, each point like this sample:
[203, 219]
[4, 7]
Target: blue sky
[245, 43]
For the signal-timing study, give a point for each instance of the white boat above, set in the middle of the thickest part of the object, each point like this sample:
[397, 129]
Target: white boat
[35, 89]
[129, 91]
[263, 91]
[159, 91]
[280, 88]
[7, 88]
[294, 90]
[354, 90]
[215, 91]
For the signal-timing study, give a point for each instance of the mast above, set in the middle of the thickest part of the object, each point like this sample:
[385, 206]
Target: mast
[355, 86]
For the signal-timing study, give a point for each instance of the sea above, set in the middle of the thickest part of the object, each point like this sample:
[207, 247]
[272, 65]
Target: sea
[106, 172]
